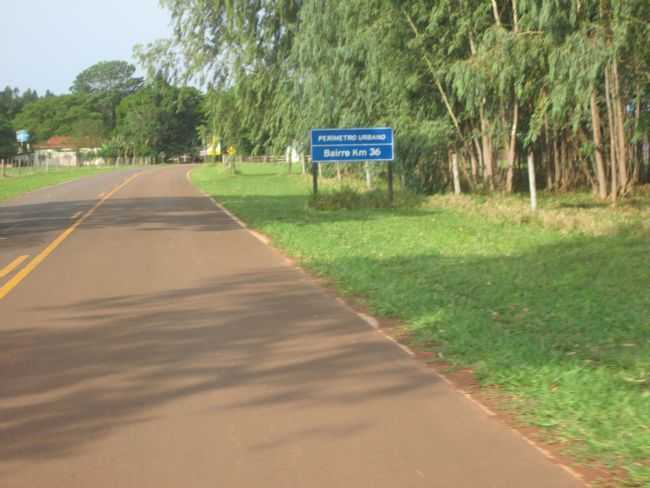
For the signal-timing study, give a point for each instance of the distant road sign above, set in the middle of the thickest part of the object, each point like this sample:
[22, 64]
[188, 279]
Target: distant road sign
[22, 136]
[359, 144]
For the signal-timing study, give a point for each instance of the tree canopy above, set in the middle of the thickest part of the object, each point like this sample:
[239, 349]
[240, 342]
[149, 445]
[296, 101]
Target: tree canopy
[107, 76]
[12, 101]
[160, 119]
[492, 81]
[109, 107]
[68, 115]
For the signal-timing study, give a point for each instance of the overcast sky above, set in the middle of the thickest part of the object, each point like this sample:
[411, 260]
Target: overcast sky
[44, 44]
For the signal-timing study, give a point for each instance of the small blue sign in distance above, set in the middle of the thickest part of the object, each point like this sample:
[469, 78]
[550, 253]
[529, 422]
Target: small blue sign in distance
[370, 144]
[22, 136]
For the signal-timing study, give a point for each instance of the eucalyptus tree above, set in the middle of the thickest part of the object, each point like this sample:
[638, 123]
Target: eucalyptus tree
[596, 83]
[540, 74]
[226, 44]
[493, 81]
[352, 67]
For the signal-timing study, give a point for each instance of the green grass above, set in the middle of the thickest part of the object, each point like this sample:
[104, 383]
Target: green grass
[18, 182]
[559, 321]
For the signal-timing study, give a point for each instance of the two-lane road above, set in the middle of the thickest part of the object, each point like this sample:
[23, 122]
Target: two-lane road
[152, 342]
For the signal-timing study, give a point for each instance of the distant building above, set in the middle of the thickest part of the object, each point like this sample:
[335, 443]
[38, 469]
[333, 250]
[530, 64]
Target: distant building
[66, 151]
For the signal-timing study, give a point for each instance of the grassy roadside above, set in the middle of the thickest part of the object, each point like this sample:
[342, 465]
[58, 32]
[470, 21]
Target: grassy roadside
[559, 320]
[15, 184]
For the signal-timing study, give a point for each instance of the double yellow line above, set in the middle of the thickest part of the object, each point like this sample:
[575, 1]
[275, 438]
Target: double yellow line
[12, 266]
[34, 263]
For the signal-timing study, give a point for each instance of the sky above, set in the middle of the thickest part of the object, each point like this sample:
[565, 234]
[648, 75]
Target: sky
[45, 44]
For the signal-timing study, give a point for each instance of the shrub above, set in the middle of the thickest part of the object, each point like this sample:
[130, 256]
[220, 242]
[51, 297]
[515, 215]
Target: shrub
[348, 198]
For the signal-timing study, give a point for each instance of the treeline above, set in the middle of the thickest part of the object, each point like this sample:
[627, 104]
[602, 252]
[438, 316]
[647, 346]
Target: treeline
[490, 81]
[110, 109]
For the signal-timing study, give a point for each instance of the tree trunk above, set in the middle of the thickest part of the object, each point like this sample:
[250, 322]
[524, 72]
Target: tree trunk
[637, 147]
[512, 148]
[495, 11]
[488, 165]
[558, 161]
[645, 149]
[619, 114]
[532, 184]
[613, 147]
[549, 155]
[600, 162]
[454, 169]
[474, 165]
[368, 176]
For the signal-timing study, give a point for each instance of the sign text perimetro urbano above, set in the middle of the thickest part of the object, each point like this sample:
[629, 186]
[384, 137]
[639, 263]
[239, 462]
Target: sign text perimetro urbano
[372, 144]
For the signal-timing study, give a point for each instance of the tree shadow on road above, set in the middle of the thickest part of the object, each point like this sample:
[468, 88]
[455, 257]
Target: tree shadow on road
[270, 340]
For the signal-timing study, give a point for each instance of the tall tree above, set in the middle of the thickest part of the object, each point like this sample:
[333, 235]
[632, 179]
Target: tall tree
[8, 146]
[105, 84]
[159, 118]
[107, 76]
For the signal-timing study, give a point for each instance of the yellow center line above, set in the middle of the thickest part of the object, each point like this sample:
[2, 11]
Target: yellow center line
[13, 265]
[76, 216]
[34, 263]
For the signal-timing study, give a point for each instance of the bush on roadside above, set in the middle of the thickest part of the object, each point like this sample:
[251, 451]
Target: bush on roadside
[348, 198]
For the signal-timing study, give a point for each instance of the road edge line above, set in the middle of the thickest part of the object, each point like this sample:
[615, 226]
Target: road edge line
[373, 322]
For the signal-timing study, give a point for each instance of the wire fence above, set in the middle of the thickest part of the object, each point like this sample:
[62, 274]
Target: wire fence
[25, 167]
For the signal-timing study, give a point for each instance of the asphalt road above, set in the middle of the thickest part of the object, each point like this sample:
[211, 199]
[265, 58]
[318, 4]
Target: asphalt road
[149, 341]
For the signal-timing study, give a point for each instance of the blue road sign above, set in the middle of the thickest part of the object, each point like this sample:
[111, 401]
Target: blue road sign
[22, 136]
[372, 144]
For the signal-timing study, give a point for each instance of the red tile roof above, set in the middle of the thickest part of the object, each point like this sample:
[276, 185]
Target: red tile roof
[65, 142]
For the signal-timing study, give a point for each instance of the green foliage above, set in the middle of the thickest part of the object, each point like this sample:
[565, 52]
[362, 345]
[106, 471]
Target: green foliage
[107, 76]
[66, 115]
[12, 101]
[348, 198]
[8, 146]
[557, 321]
[105, 84]
[110, 108]
[487, 80]
[353, 198]
[159, 119]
